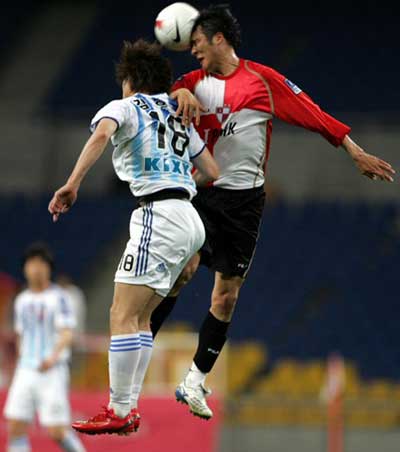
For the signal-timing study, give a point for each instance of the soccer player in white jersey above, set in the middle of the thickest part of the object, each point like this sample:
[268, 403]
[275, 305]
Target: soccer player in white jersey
[239, 100]
[153, 153]
[44, 323]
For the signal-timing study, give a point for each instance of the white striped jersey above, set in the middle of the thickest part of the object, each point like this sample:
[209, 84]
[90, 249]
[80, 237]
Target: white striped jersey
[39, 317]
[153, 150]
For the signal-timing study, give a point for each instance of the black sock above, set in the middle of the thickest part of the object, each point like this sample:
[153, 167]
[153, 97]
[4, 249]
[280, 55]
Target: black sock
[159, 315]
[212, 337]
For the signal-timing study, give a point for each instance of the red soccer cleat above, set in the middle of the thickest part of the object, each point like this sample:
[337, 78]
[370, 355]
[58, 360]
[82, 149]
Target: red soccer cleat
[104, 422]
[135, 424]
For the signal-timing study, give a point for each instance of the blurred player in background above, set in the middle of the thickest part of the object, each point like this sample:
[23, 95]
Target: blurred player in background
[44, 322]
[238, 98]
[153, 153]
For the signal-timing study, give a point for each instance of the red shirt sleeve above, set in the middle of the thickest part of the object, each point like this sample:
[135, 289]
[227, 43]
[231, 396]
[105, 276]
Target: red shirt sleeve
[188, 81]
[293, 106]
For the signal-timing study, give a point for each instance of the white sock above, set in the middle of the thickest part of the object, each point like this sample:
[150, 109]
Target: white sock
[123, 358]
[71, 443]
[195, 376]
[20, 444]
[146, 342]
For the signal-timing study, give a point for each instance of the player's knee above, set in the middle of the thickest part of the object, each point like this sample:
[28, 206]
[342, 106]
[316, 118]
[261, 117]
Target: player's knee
[184, 277]
[223, 305]
[120, 316]
[16, 429]
[56, 433]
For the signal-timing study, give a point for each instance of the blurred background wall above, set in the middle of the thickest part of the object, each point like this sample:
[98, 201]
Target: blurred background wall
[325, 275]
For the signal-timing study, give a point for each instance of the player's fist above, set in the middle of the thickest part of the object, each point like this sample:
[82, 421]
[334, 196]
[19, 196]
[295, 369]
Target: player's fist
[63, 200]
[188, 106]
[46, 364]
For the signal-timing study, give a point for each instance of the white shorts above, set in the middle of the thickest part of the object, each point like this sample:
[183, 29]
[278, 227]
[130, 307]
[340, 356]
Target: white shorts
[46, 393]
[164, 235]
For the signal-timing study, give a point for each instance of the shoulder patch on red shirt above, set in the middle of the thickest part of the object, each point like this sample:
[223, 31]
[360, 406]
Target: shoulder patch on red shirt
[293, 87]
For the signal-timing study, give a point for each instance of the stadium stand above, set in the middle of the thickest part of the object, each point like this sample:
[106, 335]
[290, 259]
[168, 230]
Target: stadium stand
[13, 17]
[324, 276]
[302, 49]
[76, 240]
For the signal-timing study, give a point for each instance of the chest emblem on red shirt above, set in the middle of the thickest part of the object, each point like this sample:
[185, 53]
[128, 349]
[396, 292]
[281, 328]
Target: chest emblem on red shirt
[222, 113]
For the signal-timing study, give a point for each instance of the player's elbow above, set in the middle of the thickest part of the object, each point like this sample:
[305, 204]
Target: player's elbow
[101, 136]
[212, 173]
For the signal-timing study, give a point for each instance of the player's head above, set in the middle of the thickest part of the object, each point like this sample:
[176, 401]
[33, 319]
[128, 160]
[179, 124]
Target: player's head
[141, 68]
[37, 264]
[215, 33]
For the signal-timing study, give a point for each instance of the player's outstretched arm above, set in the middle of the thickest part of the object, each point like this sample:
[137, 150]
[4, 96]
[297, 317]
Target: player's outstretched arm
[65, 196]
[188, 106]
[368, 165]
[207, 168]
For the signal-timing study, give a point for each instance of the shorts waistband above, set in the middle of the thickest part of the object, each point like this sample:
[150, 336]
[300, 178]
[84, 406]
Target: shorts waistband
[168, 193]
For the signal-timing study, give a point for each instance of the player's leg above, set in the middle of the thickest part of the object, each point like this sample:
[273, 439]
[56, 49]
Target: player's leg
[18, 440]
[19, 410]
[146, 342]
[164, 309]
[124, 354]
[212, 334]
[146, 336]
[66, 438]
[233, 247]
[125, 315]
[53, 407]
[202, 204]
[212, 337]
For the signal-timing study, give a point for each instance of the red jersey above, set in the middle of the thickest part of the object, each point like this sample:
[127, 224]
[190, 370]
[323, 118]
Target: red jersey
[238, 124]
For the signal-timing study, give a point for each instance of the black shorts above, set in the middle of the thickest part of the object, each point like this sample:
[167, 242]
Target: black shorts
[232, 219]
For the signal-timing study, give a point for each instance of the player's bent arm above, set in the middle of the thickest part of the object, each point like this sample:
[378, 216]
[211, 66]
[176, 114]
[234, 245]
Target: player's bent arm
[64, 340]
[369, 165]
[92, 150]
[65, 197]
[207, 168]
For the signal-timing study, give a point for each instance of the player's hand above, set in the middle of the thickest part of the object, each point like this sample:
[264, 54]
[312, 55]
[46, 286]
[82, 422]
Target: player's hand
[46, 364]
[188, 106]
[368, 165]
[374, 167]
[63, 200]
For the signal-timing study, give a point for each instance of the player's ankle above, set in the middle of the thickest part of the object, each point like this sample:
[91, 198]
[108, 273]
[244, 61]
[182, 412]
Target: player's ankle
[120, 409]
[195, 376]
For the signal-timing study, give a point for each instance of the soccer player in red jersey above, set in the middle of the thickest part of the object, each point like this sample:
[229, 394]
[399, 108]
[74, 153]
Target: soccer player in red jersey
[238, 98]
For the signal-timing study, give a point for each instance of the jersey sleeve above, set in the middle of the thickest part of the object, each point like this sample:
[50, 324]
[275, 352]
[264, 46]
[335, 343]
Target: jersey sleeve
[196, 144]
[65, 316]
[115, 110]
[292, 105]
[188, 81]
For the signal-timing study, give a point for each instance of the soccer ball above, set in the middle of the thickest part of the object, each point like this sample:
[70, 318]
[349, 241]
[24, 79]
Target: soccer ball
[174, 24]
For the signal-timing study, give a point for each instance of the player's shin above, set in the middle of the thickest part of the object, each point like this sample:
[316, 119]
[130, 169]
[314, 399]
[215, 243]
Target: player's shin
[161, 313]
[19, 444]
[71, 442]
[212, 337]
[123, 357]
[146, 342]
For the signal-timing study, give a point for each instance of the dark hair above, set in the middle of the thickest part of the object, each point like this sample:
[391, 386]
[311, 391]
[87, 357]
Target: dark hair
[219, 19]
[143, 66]
[39, 249]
